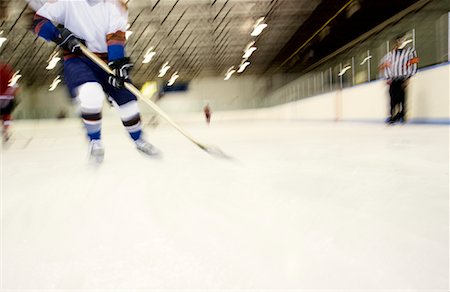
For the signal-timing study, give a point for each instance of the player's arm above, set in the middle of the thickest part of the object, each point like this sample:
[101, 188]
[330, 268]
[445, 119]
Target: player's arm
[384, 63]
[413, 59]
[413, 62]
[115, 39]
[43, 26]
[384, 68]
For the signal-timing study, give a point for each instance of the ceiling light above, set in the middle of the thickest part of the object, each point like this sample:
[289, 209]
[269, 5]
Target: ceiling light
[228, 76]
[259, 21]
[249, 52]
[344, 70]
[250, 44]
[2, 39]
[229, 73]
[324, 32]
[52, 63]
[258, 30]
[173, 78]
[352, 9]
[14, 79]
[55, 83]
[243, 66]
[128, 33]
[164, 69]
[365, 60]
[149, 56]
[259, 27]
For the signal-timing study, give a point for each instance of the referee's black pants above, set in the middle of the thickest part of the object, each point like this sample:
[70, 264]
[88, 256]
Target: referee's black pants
[397, 94]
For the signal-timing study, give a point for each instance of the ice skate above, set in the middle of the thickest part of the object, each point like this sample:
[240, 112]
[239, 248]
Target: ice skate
[390, 121]
[96, 151]
[401, 120]
[146, 148]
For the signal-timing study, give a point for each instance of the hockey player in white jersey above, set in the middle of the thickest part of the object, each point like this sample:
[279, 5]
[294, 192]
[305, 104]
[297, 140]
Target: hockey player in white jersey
[36, 4]
[101, 25]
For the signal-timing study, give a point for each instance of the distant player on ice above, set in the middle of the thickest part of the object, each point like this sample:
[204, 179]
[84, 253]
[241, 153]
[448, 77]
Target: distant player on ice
[101, 25]
[207, 111]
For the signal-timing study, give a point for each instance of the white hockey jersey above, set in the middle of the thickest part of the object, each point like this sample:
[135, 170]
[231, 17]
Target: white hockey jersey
[90, 20]
[37, 4]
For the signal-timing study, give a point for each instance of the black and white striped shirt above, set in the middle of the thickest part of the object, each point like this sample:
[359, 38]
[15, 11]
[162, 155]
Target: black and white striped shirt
[400, 63]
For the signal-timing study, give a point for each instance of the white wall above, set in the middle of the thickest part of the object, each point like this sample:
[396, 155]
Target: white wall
[428, 96]
[238, 92]
[368, 101]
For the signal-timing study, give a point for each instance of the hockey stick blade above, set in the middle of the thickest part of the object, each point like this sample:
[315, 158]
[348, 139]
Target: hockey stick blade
[214, 151]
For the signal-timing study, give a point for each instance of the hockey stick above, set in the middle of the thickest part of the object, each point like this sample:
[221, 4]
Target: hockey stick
[213, 150]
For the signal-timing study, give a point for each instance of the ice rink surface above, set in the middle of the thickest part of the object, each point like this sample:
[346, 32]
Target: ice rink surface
[303, 206]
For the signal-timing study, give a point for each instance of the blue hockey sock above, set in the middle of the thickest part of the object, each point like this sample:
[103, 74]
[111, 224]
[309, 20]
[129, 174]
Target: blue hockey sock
[94, 135]
[136, 135]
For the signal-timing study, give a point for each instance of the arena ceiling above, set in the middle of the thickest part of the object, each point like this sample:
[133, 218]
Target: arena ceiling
[195, 37]
[205, 37]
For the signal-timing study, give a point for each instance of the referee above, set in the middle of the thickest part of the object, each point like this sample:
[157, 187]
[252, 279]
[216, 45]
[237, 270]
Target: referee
[398, 66]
